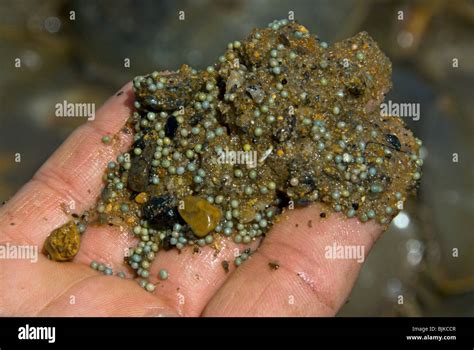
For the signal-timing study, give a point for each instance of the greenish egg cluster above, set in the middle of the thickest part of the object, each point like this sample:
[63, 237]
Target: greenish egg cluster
[282, 120]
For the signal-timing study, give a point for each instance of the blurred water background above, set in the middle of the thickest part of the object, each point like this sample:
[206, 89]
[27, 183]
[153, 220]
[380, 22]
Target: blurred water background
[83, 60]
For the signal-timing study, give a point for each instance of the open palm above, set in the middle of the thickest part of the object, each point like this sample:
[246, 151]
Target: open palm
[305, 284]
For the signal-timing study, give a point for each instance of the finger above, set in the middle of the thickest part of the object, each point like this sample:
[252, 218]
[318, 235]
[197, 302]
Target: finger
[307, 282]
[195, 276]
[71, 178]
[51, 289]
[73, 175]
[107, 245]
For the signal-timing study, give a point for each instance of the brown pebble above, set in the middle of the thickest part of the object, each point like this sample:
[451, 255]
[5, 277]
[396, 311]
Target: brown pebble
[310, 223]
[322, 215]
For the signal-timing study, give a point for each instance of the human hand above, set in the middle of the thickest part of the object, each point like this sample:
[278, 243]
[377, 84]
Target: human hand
[305, 284]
